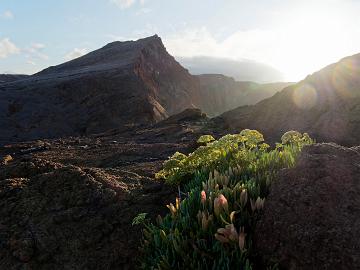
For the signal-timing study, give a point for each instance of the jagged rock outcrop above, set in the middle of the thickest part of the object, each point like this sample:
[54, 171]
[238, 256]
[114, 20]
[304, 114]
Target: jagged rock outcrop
[325, 104]
[312, 215]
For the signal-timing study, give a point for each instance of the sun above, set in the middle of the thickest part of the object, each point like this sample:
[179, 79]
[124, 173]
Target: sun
[309, 41]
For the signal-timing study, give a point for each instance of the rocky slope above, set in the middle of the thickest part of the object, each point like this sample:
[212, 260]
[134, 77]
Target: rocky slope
[118, 86]
[312, 215]
[4, 78]
[221, 93]
[325, 104]
[69, 203]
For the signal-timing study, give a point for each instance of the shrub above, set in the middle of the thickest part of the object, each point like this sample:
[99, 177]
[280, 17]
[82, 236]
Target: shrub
[226, 183]
[205, 139]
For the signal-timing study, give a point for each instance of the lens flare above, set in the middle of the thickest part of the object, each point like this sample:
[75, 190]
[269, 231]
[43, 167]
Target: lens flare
[345, 78]
[305, 96]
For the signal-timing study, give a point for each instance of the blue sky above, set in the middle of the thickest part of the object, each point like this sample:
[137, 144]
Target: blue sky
[296, 37]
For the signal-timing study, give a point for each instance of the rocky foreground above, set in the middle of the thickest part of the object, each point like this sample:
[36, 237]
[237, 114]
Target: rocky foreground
[69, 203]
[312, 215]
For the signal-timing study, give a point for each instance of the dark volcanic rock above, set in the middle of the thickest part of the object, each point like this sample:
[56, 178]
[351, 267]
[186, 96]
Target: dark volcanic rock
[189, 115]
[312, 215]
[63, 217]
[69, 203]
[325, 104]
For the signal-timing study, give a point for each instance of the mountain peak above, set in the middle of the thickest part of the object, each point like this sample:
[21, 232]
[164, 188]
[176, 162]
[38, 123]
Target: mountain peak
[117, 54]
[155, 39]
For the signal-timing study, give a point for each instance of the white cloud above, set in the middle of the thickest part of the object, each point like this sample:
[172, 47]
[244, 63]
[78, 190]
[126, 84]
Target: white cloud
[143, 11]
[7, 48]
[7, 15]
[30, 62]
[75, 53]
[123, 4]
[35, 50]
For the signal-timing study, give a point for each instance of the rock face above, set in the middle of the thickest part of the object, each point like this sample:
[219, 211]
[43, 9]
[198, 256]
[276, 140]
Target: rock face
[121, 85]
[220, 93]
[325, 104]
[57, 216]
[312, 215]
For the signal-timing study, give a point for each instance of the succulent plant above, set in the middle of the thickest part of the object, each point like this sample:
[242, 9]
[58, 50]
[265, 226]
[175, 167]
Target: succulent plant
[226, 182]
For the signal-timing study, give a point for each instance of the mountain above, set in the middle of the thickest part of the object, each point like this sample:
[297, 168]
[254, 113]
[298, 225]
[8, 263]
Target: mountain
[240, 70]
[4, 78]
[221, 93]
[121, 84]
[116, 87]
[326, 105]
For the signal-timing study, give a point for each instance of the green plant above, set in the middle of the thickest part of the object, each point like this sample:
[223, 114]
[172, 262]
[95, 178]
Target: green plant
[205, 139]
[226, 182]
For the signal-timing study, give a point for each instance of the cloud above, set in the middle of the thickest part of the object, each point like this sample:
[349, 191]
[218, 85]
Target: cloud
[7, 48]
[75, 53]
[35, 50]
[124, 4]
[30, 62]
[296, 49]
[8, 15]
[143, 11]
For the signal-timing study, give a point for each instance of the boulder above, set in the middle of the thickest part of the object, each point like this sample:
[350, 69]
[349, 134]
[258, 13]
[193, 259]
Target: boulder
[312, 215]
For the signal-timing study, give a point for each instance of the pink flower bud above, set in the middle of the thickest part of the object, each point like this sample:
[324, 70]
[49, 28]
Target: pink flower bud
[223, 202]
[203, 197]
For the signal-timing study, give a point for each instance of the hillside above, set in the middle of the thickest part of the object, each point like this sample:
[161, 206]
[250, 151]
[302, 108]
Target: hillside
[5, 78]
[121, 85]
[326, 105]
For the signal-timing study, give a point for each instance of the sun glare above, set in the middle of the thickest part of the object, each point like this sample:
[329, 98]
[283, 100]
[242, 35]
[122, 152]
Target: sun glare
[310, 41]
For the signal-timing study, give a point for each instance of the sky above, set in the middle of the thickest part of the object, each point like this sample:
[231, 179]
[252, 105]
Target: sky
[297, 37]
